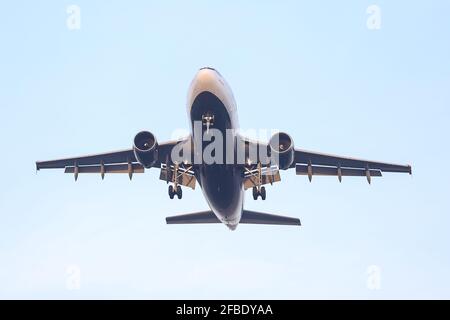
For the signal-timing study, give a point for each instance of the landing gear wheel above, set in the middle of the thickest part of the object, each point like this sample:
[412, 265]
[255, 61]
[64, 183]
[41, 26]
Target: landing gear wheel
[255, 193]
[179, 192]
[171, 192]
[263, 193]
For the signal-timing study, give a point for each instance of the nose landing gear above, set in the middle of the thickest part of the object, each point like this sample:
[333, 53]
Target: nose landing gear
[208, 121]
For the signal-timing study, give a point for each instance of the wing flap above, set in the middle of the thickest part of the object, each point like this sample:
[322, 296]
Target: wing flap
[301, 169]
[109, 168]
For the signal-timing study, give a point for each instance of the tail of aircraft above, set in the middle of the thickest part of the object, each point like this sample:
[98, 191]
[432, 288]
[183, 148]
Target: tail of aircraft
[248, 217]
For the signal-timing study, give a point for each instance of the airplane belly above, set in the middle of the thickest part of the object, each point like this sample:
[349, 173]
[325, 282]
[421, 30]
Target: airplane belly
[211, 109]
[222, 188]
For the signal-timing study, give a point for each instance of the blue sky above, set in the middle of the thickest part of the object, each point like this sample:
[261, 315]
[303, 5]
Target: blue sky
[312, 69]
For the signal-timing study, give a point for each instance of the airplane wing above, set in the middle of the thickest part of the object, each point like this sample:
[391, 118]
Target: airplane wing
[123, 161]
[314, 163]
[322, 159]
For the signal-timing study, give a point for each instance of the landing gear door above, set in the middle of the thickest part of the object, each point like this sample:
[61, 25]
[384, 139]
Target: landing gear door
[252, 178]
[182, 176]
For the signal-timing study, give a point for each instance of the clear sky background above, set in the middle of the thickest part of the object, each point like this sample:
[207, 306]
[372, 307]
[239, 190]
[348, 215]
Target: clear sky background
[312, 69]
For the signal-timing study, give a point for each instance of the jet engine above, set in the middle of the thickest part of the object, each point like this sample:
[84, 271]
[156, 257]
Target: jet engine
[282, 150]
[145, 148]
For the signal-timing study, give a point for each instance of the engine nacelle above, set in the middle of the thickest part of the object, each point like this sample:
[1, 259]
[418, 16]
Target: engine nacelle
[145, 148]
[282, 150]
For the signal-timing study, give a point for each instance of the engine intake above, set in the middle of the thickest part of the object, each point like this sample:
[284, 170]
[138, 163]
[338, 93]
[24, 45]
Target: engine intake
[282, 150]
[145, 148]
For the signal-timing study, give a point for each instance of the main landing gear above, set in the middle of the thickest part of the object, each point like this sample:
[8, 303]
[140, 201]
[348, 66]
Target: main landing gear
[259, 191]
[175, 191]
[258, 188]
[175, 186]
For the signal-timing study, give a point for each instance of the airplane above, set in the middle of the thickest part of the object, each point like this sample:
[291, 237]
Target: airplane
[212, 112]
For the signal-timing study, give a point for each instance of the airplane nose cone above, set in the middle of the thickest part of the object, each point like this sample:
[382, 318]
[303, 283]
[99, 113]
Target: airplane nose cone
[206, 80]
[206, 75]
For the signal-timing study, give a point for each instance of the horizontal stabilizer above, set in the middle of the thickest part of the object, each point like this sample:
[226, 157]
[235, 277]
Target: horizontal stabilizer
[248, 217]
[196, 217]
[253, 217]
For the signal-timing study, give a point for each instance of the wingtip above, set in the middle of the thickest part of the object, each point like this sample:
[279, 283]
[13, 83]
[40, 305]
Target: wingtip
[410, 169]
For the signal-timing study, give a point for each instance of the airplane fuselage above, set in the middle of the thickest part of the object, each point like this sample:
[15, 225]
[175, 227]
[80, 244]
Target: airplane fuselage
[221, 184]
